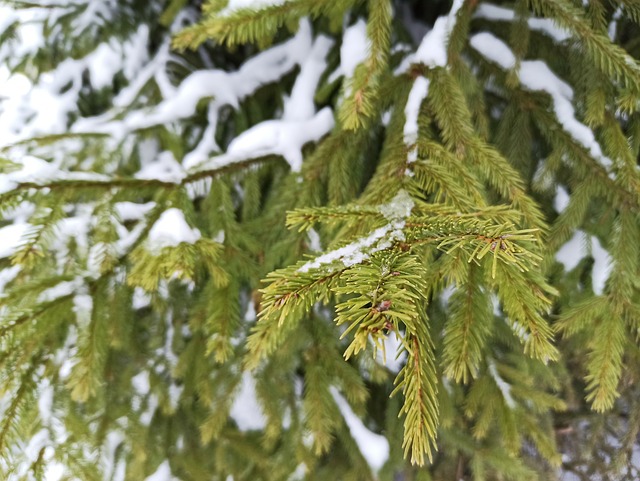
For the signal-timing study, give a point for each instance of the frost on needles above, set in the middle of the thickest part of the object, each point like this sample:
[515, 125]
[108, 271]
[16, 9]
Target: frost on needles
[319, 239]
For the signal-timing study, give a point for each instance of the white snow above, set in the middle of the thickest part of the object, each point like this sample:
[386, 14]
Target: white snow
[54, 471]
[573, 251]
[140, 383]
[392, 357]
[154, 69]
[432, 51]
[114, 470]
[103, 64]
[163, 473]
[612, 29]
[281, 137]
[141, 298]
[9, 274]
[246, 411]
[36, 443]
[354, 48]
[175, 392]
[147, 415]
[61, 289]
[164, 168]
[374, 447]
[45, 107]
[11, 238]
[536, 75]
[399, 208]
[299, 124]
[82, 307]
[286, 136]
[381, 238]
[561, 200]
[170, 230]
[576, 249]
[300, 473]
[418, 93]
[601, 267]
[35, 170]
[250, 314]
[225, 88]
[360, 250]
[235, 5]
[129, 211]
[314, 240]
[505, 387]
[494, 49]
[489, 11]
[300, 105]
[219, 237]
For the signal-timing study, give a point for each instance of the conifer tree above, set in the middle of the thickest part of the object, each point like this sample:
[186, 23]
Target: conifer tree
[320, 239]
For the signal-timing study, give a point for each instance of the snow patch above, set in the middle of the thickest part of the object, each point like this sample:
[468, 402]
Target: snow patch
[163, 473]
[536, 75]
[399, 208]
[165, 168]
[314, 240]
[433, 48]
[61, 289]
[393, 357]
[360, 250]
[140, 383]
[36, 444]
[170, 230]
[546, 26]
[601, 267]
[505, 387]
[246, 411]
[374, 447]
[354, 49]
[418, 93]
[9, 274]
[279, 137]
[11, 236]
[573, 251]
[381, 238]
[130, 211]
[300, 123]
[494, 49]
[561, 200]
[234, 5]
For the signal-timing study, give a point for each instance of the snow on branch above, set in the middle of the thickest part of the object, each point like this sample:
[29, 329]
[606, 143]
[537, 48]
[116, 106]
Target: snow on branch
[537, 76]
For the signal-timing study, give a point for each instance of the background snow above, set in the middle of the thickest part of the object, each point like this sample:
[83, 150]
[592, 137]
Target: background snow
[163, 473]
[354, 48]
[433, 48]
[246, 410]
[11, 236]
[170, 230]
[419, 92]
[235, 5]
[536, 75]
[374, 447]
[392, 357]
[544, 25]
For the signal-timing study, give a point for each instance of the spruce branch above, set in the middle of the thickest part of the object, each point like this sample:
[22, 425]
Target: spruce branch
[611, 59]
[468, 328]
[605, 362]
[249, 25]
[418, 383]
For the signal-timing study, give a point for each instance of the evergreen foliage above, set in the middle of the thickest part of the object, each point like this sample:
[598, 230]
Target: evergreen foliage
[320, 239]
